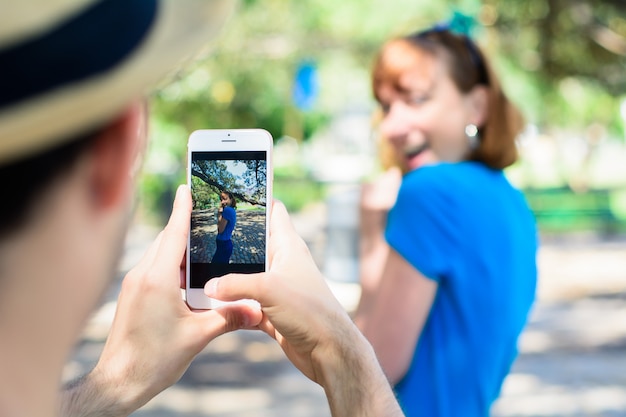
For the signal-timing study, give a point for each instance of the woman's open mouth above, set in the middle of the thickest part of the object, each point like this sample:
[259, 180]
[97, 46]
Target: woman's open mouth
[415, 157]
[413, 152]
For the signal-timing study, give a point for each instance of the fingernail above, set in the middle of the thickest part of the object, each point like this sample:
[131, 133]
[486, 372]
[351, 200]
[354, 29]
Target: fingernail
[180, 189]
[177, 196]
[210, 288]
[245, 321]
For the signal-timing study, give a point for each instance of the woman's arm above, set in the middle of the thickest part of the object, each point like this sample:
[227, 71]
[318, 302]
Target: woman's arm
[377, 198]
[221, 221]
[397, 315]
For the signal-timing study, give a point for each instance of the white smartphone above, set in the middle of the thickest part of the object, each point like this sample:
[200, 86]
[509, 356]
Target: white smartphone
[230, 175]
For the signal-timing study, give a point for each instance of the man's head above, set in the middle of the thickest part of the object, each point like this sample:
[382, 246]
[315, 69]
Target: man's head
[73, 74]
[70, 67]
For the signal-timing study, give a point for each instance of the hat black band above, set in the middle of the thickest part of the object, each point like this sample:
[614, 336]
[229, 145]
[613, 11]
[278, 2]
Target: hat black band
[88, 44]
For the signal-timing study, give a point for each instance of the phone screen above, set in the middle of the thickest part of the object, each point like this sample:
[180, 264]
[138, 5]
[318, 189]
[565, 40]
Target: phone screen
[228, 221]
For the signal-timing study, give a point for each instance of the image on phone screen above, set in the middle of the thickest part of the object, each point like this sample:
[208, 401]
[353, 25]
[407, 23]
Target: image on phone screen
[228, 220]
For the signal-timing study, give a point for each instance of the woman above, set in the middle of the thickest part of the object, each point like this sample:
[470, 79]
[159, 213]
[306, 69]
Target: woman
[226, 220]
[460, 271]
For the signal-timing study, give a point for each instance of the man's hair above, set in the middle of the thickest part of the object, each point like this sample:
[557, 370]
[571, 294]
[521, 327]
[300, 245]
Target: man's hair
[24, 181]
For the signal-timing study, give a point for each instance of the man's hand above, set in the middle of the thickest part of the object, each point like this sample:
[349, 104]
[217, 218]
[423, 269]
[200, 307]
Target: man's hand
[313, 329]
[154, 335]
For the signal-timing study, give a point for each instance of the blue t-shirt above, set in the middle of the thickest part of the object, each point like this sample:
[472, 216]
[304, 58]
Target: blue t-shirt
[230, 215]
[464, 226]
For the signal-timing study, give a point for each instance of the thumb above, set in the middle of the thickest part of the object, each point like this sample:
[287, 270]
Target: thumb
[233, 287]
[228, 318]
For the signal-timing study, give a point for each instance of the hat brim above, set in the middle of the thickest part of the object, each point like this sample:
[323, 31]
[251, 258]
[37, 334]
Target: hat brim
[180, 31]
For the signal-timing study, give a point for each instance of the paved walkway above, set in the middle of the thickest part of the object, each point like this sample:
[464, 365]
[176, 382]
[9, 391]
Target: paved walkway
[572, 362]
[573, 353]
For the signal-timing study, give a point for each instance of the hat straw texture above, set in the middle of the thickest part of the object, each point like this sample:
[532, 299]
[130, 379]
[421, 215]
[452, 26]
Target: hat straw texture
[65, 69]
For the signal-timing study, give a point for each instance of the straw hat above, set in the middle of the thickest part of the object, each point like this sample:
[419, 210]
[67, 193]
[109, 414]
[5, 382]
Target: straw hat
[67, 65]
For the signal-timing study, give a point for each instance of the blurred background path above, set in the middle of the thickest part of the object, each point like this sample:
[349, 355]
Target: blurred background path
[572, 362]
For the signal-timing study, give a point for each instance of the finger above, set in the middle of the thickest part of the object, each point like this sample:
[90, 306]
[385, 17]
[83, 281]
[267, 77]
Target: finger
[279, 219]
[267, 327]
[183, 272]
[282, 230]
[240, 316]
[213, 323]
[183, 279]
[175, 234]
[150, 254]
[148, 257]
[233, 287]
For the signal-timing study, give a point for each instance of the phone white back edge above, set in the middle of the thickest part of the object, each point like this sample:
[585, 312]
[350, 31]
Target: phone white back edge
[207, 140]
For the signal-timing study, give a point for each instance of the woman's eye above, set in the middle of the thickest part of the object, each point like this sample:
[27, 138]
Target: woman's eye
[418, 99]
[385, 107]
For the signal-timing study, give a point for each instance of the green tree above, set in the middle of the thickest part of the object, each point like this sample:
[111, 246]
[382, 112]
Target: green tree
[572, 53]
[250, 186]
[562, 61]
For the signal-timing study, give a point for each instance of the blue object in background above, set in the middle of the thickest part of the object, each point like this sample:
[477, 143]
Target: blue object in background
[305, 88]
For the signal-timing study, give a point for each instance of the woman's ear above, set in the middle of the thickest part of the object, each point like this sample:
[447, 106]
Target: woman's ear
[478, 102]
[114, 155]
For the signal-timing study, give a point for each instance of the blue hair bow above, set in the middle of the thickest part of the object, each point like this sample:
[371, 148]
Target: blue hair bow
[460, 24]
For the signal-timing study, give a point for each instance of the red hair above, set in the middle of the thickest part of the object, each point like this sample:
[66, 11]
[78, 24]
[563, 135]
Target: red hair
[467, 67]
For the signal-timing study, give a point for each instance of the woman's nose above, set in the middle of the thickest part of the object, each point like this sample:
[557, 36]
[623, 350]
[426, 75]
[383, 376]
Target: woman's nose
[395, 123]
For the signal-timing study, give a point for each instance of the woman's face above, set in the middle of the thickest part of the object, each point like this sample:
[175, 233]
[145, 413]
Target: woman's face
[225, 200]
[424, 113]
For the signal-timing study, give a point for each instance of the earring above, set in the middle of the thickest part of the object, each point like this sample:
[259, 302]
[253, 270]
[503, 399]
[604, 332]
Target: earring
[473, 137]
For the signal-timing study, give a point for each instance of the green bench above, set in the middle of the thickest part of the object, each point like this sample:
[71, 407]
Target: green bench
[563, 210]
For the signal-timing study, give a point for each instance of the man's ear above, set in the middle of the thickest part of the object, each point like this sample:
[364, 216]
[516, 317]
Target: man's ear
[478, 101]
[114, 153]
